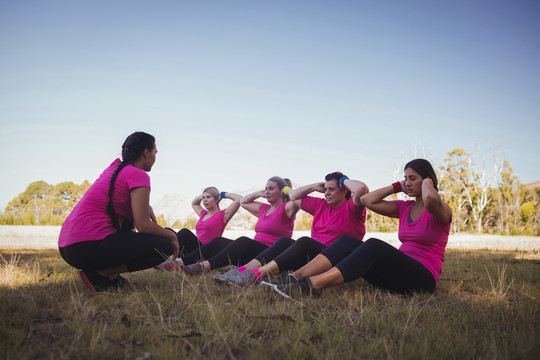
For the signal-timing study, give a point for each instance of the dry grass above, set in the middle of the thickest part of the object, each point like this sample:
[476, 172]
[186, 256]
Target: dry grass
[486, 306]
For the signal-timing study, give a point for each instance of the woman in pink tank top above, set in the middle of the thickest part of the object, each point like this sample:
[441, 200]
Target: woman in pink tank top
[424, 225]
[275, 220]
[97, 236]
[211, 224]
[339, 213]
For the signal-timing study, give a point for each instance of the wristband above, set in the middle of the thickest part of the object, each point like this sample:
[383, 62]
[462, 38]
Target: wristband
[286, 190]
[397, 187]
[342, 181]
[222, 194]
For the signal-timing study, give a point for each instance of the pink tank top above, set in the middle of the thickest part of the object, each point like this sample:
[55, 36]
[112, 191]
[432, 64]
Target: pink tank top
[424, 239]
[271, 227]
[211, 228]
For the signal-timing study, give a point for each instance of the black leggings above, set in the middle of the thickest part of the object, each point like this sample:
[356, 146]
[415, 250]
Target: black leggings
[134, 250]
[239, 252]
[380, 263]
[273, 251]
[187, 241]
[299, 254]
[207, 250]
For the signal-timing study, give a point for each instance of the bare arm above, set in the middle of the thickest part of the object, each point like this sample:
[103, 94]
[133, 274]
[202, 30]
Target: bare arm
[303, 191]
[152, 215]
[248, 202]
[196, 205]
[292, 207]
[140, 206]
[232, 208]
[358, 189]
[374, 201]
[433, 202]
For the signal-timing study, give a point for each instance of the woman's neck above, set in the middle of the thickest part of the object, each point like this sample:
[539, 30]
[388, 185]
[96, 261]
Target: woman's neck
[338, 205]
[276, 204]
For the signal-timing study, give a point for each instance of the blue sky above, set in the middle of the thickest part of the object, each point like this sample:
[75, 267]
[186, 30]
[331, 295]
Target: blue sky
[238, 91]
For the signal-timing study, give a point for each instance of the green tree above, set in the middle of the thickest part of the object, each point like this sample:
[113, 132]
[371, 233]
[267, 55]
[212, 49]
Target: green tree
[177, 224]
[44, 204]
[190, 223]
[161, 220]
[505, 198]
[467, 186]
[303, 222]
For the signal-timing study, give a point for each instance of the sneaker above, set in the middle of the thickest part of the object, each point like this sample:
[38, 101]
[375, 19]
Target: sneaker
[94, 281]
[225, 277]
[118, 282]
[193, 269]
[284, 278]
[243, 278]
[169, 265]
[296, 288]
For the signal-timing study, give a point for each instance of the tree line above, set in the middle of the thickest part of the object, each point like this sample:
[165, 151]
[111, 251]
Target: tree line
[485, 197]
[43, 204]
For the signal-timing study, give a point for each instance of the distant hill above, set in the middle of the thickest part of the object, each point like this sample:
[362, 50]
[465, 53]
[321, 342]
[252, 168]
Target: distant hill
[530, 186]
[178, 207]
[533, 185]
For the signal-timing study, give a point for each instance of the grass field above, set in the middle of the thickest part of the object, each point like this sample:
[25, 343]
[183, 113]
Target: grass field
[486, 307]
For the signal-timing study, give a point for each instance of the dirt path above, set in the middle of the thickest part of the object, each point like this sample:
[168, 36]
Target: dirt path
[42, 237]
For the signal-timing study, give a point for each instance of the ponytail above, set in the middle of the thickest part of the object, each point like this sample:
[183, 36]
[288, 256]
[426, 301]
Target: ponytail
[110, 206]
[132, 149]
[281, 183]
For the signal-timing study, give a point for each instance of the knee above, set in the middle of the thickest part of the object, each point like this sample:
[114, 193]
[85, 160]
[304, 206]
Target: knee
[183, 232]
[243, 239]
[166, 247]
[304, 240]
[283, 241]
[347, 241]
[373, 242]
[348, 238]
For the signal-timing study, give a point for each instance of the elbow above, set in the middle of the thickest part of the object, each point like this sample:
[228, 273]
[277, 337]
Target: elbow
[431, 200]
[244, 202]
[364, 200]
[143, 227]
[364, 190]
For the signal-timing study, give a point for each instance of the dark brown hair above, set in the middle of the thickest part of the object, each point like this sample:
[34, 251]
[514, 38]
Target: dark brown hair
[424, 169]
[337, 176]
[132, 149]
